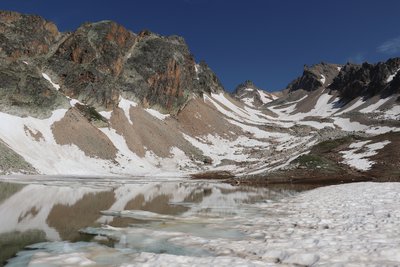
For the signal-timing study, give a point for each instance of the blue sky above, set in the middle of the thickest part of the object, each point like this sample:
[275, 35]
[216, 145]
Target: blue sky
[267, 41]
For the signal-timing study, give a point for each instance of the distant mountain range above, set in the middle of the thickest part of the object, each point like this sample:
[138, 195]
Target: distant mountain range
[103, 100]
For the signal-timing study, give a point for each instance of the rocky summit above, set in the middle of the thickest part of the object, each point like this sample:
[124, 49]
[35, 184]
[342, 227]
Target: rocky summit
[102, 100]
[253, 96]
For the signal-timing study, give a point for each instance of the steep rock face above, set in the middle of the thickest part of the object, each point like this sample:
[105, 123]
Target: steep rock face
[25, 39]
[315, 77]
[24, 91]
[164, 70]
[368, 79]
[164, 74]
[25, 36]
[206, 80]
[100, 62]
[89, 62]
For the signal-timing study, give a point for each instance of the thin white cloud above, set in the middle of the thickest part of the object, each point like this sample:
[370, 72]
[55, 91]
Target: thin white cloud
[357, 58]
[390, 47]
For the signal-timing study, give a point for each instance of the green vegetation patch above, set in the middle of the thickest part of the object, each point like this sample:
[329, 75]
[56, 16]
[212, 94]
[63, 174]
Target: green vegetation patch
[92, 115]
[312, 161]
[331, 145]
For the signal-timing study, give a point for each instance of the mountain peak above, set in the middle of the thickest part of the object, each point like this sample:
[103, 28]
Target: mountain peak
[315, 76]
[251, 95]
[248, 84]
[99, 61]
[368, 80]
[24, 36]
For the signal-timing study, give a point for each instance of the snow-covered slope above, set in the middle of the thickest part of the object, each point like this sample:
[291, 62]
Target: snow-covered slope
[212, 133]
[105, 101]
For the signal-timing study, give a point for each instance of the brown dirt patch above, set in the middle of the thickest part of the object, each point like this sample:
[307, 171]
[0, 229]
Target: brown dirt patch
[32, 212]
[120, 123]
[67, 220]
[387, 161]
[199, 118]
[76, 129]
[36, 136]
[148, 133]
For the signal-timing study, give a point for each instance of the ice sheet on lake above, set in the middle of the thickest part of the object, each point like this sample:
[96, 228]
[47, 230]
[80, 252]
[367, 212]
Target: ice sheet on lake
[343, 225]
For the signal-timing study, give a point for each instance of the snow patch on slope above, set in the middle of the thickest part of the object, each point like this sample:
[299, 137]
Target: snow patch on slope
[248, 115]
[392, 114]
[46, 155]
[157, 114]
[323, 108]
[248, 101]
[55, 86]
[358, 156]
[349, 126]
[197, 70]
[323, 79]
[358, 103]
[151, 165]
[374, 107]
[391, 77]
[126, 105]
[265, 98]
[220, 149]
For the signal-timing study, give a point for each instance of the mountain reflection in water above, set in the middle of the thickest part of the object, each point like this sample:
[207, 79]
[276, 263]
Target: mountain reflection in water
[72, 211]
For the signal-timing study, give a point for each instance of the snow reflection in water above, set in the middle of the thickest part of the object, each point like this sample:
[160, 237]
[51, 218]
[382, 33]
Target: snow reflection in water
[128, 222]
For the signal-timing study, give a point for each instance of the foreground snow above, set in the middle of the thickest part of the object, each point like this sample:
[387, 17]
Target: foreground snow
[343, 225]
